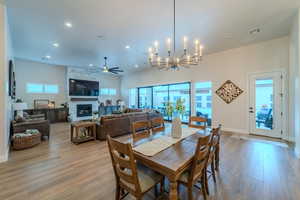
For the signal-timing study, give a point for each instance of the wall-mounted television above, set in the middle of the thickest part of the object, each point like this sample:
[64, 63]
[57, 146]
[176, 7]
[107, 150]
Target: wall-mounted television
[83, 88]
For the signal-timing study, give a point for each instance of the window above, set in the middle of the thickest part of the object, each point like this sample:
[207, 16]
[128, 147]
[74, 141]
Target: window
[51, 89]
[156, 97]
[145, 97]
[160, 98]
[108, 91]
[112, 92]
[41, 88]
[203, 100]
[199, 105]
[132, 98]
[34, 88]
[198, 98]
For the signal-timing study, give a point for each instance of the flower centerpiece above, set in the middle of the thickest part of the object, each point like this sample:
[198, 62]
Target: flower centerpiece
[176, 111]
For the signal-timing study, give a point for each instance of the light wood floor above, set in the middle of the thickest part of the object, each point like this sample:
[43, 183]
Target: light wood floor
[59, 170]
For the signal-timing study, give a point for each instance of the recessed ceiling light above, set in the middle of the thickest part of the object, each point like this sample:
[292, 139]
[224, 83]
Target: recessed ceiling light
[136, 66]
[91, 65]
[127, 47]
[68, 24]
[55, 44]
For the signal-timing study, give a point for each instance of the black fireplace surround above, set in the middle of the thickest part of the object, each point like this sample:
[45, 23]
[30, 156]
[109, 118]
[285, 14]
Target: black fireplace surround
[84, 110]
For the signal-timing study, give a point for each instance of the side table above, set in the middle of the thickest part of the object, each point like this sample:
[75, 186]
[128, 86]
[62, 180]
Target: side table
[89, 135]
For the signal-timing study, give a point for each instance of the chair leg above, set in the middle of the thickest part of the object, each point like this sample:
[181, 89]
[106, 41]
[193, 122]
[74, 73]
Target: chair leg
[162, 185]
[206, 182]
[190, 192]
[203, 186]
[118, 190]
[212, 166]
[217, 159]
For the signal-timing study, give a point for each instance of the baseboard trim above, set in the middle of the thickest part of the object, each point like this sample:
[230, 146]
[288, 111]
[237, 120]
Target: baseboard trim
[233, 130]
[4, 158]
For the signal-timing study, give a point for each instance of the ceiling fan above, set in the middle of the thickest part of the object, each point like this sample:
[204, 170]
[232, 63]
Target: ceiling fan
[114, 70]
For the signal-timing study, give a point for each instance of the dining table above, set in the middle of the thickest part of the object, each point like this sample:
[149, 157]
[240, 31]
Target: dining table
[172, 161]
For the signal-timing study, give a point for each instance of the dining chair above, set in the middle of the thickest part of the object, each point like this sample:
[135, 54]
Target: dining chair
[135, 179]
[157, 124]
[217, 157]
[141, 129]
[197, 122]
[198, 169]
[214, 148]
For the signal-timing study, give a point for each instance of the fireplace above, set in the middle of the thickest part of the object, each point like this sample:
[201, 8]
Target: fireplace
[84, 110]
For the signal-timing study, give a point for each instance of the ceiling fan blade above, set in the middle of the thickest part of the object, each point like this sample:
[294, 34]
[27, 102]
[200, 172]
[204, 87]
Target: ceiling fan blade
[114, 72]
[114, 68]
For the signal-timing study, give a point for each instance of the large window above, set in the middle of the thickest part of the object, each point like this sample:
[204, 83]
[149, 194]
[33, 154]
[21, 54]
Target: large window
[181, 91]
[108, 91]
[132, 98]
[156, 97]
[145, 97]
[160, 97]
[203, 99]
[41, 88]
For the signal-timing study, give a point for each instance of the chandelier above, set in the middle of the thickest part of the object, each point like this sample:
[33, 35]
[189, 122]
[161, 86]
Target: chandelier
[171, 61]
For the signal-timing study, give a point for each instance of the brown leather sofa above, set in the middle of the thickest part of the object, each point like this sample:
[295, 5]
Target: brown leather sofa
[120, 124]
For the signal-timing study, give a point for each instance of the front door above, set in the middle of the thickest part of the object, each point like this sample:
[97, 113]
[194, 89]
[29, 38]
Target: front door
[266, 104]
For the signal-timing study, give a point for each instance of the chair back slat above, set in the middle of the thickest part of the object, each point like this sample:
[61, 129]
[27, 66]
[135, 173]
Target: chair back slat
[200, 158]
[140, 129]
[197, 122]
[124, 165]
[158, 125]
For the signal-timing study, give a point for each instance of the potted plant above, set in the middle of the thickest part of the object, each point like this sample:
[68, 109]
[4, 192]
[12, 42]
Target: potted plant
[176, 111]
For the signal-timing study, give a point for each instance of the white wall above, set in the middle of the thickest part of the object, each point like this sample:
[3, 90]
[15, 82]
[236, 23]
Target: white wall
[5, 102]
[34, 72]
[234, 65]
[294, 85]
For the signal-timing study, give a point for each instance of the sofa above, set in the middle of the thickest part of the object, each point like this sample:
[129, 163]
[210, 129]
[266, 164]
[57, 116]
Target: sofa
[120, 124]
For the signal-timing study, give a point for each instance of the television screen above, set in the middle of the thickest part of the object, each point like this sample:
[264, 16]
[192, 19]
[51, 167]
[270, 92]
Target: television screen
[83, 88]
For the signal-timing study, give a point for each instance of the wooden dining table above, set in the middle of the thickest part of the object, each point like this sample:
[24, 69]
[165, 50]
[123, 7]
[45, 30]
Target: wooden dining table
[172, 161]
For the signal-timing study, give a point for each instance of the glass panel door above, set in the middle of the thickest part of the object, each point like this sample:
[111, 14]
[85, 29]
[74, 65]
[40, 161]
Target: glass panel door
[160, 98]
[181, 91]
[264, 104]
[145, 98]
[203, 100]
[132, 98]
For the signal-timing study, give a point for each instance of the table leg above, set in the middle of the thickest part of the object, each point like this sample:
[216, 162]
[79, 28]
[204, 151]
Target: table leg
[72, 128]
[94, 132]
[173, 190]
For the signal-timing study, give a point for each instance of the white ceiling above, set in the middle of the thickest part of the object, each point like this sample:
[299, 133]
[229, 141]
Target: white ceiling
[219, 24]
